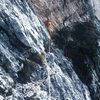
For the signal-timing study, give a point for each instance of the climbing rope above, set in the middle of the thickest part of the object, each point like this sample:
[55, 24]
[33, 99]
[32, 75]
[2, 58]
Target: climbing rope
[49, 85]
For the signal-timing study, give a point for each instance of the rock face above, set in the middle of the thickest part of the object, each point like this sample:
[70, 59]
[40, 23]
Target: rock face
[27, 70]
[80, 44]
[63, 12]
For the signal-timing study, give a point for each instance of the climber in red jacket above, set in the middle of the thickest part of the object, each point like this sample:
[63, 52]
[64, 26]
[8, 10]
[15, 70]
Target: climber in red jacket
[48, 25]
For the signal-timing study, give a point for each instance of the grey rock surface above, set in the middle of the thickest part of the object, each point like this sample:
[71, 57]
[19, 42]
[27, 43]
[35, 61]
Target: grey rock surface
[27, 71]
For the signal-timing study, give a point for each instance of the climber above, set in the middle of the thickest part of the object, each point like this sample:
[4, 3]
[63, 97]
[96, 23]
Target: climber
[48, 25]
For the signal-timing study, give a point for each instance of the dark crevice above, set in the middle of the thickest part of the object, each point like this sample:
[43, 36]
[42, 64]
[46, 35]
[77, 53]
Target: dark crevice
[80, 44]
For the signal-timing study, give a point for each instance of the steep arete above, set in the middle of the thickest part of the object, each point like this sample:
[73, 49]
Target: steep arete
[28, 71]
